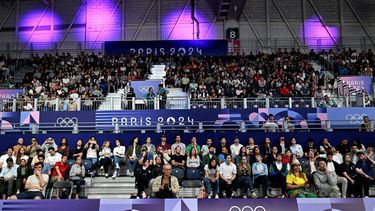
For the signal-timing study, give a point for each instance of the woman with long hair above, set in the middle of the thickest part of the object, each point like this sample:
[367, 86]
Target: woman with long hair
[63, 148]
[78, 150]
[256, 151]
[92, 150]
[132, 154]
[243, 152]
[244, 176]
[211, 178]
[297, 183]
[296, 148]
[193, 160]
[105, 157]
[250, 146]
[21, 154]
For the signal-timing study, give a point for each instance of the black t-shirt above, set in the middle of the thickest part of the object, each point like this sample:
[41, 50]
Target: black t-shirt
[349, 169]
[178, 158]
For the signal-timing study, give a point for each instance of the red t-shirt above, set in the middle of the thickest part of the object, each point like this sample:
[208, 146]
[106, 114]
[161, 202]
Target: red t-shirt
[63, 169]
[284, 91]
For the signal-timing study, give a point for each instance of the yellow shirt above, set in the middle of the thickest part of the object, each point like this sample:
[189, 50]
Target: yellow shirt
[293, 180]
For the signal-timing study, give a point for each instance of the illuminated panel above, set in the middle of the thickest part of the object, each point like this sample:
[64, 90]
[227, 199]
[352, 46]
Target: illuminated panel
[99, 14]
[184, 28]
[317, 36]
[43, 32]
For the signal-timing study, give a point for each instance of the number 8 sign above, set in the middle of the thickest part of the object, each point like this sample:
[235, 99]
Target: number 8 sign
[233, 33]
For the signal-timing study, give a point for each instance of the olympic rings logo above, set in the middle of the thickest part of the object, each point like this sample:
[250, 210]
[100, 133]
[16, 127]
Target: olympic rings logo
[355, 118]
[143, 89]
[247, 208]
[67, 122]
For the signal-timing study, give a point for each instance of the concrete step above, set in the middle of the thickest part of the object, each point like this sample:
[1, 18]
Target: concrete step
[108, 196]
[114, 185]
[110, 190]
[110, 180]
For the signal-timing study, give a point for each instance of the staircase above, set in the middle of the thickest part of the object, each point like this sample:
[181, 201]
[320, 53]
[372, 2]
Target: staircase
[113, 101]
[108, 188]
[157, 72]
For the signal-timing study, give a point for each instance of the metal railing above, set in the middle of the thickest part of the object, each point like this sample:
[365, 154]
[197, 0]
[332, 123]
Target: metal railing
[187, 127]
[158, 103]
[25, 50]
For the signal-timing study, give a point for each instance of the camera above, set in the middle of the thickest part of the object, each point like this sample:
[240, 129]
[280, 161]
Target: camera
[166, 187]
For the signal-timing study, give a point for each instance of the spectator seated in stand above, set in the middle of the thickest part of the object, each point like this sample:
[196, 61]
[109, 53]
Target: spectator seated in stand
[8, 177]
[77, 175]
[35, 185]
[166, 185]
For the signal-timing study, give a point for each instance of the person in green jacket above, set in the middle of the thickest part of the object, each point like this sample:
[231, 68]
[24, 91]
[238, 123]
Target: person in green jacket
[193, 144]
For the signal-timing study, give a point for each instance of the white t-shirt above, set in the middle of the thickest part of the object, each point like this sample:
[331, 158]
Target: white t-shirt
[33, 180]
[211, 172]
[270, 126]
[235, 148]
[279, 166]
[227, 171]
[52, 160]
[3, 160]
[330, 166]
[91, 153]
[338, 158]
[119, 151]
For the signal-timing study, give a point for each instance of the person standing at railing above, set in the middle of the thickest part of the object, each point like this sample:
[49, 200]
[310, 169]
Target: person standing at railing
[270, 125]
[129, 99]
[162, 93]
[288, 126]
[328, 102]
[72, 105]
[149, 98]
[366, 125]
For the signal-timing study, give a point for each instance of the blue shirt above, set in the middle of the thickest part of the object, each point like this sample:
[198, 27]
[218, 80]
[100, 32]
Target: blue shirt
[46, 168]
[150, 156]
[365, 166]
[7, 173]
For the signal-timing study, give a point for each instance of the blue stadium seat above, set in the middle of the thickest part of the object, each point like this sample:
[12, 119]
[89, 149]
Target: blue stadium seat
[193, 173]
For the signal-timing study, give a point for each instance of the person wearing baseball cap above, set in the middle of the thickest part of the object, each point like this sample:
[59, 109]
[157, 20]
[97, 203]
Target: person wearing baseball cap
[297, 183]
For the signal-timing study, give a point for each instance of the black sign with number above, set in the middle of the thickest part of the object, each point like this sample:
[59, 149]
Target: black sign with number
[233, 33]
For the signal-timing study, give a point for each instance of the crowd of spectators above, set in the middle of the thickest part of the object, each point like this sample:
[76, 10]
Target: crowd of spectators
[7, 70]
[86, 76]
[89, 77]
[227, 170]
[347, 62]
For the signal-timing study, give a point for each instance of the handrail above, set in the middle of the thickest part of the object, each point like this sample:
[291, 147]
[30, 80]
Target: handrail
[122, 103]
[195, 126]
